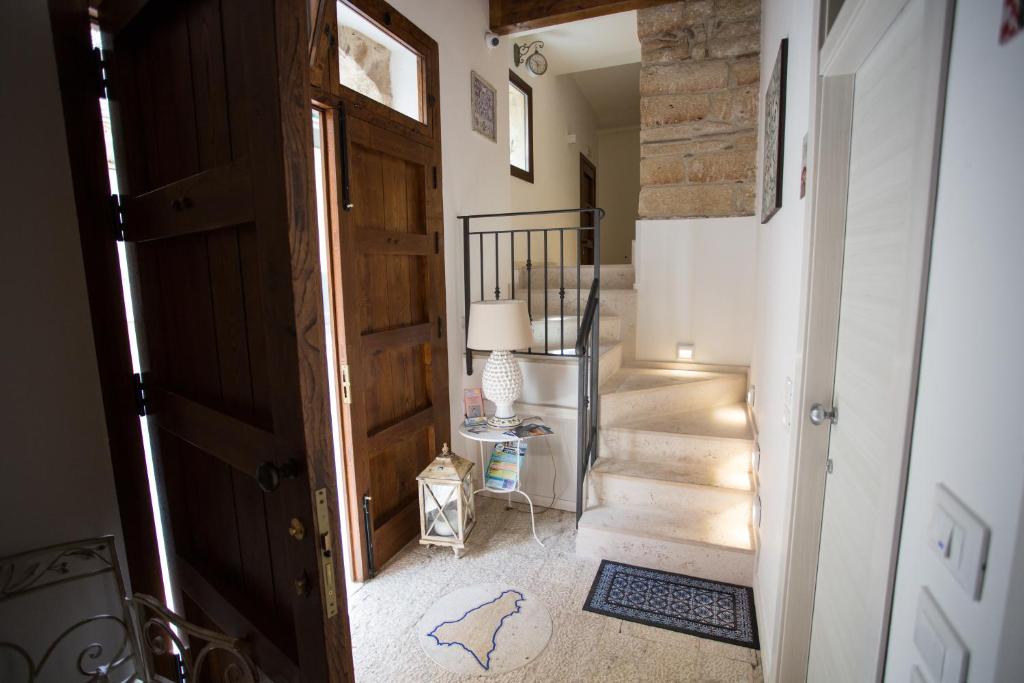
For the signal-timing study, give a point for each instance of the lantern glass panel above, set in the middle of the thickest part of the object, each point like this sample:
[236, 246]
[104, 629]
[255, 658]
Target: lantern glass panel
[436, 495]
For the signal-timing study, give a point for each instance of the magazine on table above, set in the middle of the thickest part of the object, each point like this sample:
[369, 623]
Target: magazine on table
[504, 465]
[529, 429]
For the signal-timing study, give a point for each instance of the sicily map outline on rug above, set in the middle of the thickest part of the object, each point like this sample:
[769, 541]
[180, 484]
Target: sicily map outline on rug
[476, 631]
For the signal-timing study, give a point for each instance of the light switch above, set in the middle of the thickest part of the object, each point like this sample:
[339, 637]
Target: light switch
[960, 540]
[941, 532]
[943, 653]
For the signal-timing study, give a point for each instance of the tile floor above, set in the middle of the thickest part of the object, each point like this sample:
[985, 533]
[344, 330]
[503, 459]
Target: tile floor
[583, 646]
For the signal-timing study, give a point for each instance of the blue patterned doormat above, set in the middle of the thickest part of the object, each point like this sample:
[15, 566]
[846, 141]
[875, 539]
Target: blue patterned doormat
[702, 608]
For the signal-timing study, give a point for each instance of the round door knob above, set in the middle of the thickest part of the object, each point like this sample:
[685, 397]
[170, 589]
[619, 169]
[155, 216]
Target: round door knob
[296, 529]
[269, 475]
[820, 414]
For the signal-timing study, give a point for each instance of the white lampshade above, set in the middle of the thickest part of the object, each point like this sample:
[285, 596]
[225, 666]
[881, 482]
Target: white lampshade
[502, 325]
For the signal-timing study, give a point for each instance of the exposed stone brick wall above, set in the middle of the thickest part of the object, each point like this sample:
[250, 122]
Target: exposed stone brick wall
[698, 108]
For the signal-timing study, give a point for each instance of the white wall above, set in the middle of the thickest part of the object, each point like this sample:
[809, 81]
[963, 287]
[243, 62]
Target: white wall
[56, 484]
[559, 110]
[696, 282]
[781, 281]
[967, 431]
[618, 190]
[57, 480]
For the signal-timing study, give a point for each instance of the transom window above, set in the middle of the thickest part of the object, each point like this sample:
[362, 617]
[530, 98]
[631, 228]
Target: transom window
[373, 63]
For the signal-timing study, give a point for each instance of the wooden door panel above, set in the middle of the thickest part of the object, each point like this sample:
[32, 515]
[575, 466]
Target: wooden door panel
[397, 324]
[212, 122]
[389, 291]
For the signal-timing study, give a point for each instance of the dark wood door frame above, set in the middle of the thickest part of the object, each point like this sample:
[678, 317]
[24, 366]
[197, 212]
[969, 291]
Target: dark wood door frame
[70, 23]
[588, 200]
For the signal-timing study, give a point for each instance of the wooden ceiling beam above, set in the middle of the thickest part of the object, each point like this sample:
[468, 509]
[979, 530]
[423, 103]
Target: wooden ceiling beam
[512, 16]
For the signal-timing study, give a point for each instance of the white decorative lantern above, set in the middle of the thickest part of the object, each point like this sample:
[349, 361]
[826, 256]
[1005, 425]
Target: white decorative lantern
[447, 514]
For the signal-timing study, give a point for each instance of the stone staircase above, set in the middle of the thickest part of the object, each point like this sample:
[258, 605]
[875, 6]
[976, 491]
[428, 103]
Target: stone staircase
[673, 487]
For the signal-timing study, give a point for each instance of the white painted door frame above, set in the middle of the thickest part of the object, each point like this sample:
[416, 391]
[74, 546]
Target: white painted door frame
[858, 28]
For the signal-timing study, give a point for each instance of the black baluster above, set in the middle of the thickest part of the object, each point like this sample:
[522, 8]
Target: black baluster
[545, 233]
[482, 296]
[512, 262]
[579, 282]
[529, 280]
[561, 287]
[497, 269]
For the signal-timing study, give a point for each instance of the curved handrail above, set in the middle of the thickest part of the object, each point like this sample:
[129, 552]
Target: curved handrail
[588, 319]
[598, 211]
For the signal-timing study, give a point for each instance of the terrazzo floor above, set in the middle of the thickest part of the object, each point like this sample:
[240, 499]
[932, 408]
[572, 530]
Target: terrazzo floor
[584, 646]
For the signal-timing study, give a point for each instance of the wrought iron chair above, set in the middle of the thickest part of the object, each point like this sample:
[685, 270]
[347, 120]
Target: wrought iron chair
[129, 638]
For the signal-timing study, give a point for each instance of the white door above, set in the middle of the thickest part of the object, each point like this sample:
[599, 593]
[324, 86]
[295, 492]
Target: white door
[888, 217]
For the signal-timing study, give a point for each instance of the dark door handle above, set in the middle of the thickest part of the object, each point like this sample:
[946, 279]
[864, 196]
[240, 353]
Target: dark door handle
[269, 475]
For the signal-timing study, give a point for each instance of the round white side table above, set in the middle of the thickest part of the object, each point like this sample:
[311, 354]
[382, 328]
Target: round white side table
[486, 434]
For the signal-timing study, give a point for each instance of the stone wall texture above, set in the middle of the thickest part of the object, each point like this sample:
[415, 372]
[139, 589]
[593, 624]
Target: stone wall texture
[699, 91]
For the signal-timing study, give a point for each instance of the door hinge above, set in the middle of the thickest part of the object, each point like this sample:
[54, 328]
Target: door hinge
[117, 216]
[100, 64]
[141, 403]
[323, 526]
[346, 385]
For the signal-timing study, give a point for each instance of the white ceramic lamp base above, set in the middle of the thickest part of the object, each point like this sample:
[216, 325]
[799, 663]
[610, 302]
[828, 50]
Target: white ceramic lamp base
[502, 383]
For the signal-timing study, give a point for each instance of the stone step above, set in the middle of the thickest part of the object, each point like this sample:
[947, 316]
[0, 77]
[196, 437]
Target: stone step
[677, 477]
[634, 393]
[724, 454]
[554, 380]
[610, 330]
[721, 422]
[672, 488]
[620, 302]
[613, 276]
[715, 545]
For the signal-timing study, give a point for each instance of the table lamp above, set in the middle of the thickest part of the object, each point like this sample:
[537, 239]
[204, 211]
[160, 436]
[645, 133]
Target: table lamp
[500, 327]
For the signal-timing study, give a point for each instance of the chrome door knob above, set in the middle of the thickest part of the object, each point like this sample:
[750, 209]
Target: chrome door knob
[820, 414]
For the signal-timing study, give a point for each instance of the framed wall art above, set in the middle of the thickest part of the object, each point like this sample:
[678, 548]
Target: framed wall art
[774, 136]
[484, 104]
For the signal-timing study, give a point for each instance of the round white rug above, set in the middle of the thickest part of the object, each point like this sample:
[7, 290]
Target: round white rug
[485, 629]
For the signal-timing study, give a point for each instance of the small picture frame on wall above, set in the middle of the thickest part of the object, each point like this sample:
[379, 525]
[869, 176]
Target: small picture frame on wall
[484, 105]
[774, 136]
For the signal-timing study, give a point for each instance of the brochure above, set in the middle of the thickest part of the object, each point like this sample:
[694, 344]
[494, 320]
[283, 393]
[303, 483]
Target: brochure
[529, 429]
[473, 404]
[504, 465]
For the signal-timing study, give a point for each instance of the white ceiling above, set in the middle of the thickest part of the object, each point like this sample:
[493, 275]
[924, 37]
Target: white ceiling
[588, 44]
[613, 93]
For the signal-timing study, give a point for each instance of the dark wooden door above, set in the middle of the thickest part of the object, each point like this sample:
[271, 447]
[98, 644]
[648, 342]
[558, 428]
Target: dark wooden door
[588, 200]
[212, 122]
[387, 238]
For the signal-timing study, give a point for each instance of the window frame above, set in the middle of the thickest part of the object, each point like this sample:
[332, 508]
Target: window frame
[521, 85]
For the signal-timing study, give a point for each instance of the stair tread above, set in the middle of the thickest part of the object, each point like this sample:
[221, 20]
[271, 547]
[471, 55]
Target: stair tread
[682, 472]
[729, 530]
[605, 346]
[637, 379]
[728, 422]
